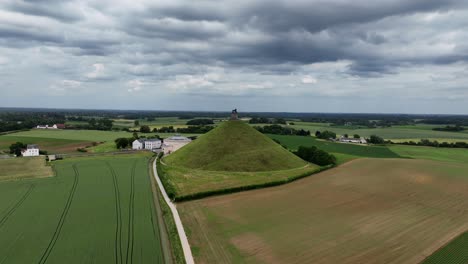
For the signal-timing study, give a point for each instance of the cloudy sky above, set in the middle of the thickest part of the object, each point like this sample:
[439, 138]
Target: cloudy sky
[383, 56]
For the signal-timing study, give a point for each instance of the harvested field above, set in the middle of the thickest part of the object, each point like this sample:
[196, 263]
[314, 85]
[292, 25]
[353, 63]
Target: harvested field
[26, 167]
[365, 211]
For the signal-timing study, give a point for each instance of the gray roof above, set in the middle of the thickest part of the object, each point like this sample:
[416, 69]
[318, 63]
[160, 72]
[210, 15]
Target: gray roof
[153, 140]
[32, 146]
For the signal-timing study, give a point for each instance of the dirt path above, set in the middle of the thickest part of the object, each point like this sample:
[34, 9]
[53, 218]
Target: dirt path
[178, 222]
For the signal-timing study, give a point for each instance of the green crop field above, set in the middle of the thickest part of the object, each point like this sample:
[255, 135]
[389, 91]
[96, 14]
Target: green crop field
[26, 167]
[431, 153]
[365, 211]
[418, 131]
[52, 145]
[96, 210]
[455, 252]
[293, 142]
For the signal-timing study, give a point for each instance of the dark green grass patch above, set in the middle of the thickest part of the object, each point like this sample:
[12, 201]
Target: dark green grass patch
[455, 252]
[293, 142]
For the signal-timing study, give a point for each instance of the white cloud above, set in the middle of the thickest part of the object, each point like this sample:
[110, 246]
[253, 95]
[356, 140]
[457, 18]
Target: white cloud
[307, 79]
[134, 85]
[64, 85]
[98, 72]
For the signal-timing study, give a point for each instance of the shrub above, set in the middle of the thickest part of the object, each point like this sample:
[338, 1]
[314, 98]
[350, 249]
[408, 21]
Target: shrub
[315, 155]
[376, 140]
[325, 134]
[81, 150]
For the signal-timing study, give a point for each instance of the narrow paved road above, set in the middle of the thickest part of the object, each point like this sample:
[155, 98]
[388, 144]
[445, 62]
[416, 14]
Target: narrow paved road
[178, 222]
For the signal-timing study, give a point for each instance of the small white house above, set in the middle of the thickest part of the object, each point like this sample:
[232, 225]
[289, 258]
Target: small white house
[30, 151]
[174, 143]
[152, 144]
[138, 144]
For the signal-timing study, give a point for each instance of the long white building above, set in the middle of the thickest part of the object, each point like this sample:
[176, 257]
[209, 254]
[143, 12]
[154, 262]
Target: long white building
[146, 144]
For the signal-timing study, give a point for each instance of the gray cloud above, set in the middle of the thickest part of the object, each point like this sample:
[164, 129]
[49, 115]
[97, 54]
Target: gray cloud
[255, 48]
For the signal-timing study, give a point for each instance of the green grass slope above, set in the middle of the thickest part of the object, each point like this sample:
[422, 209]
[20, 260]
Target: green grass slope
[234, 146]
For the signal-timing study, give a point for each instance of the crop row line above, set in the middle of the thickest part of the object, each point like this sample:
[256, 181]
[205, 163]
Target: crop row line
[58, 229]
[131, 217]
[118, 229]
[17, 205]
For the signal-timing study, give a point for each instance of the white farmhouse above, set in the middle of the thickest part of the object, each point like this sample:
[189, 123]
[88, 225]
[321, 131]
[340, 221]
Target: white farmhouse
[174, 143]
[138, 144]
[46, 127]
[30, 151]
[353, 140]
[153, 144]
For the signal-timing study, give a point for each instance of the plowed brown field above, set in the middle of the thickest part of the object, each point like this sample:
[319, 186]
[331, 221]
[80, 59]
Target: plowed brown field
[366, 211]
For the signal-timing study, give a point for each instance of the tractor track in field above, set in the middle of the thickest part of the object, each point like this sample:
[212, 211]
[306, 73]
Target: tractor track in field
[17, 205]
[118, 229]
[131, 217]
[63, 216]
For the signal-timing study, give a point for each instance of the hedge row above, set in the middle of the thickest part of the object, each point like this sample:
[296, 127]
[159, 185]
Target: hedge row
[200, 195]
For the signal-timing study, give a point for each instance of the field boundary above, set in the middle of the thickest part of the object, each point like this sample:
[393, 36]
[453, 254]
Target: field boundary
[118, 230]
[200, 195]
[171, 248]
[178, 222]
[445, 247]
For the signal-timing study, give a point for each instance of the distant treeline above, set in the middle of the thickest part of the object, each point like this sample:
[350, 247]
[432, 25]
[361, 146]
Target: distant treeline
[200, 122]
[171, 129]
[456, 128]
[10, 121]
[265, 120]
[280, 130]
[21, 118]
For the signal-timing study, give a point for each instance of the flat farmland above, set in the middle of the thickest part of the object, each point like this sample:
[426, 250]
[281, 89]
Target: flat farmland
[95, 210]
[52, 145]
[293, 143]
[68, 140]
[365, 211]
[395, 132]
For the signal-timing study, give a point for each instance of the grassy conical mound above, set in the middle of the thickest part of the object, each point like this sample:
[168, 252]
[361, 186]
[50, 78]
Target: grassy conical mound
[234, 146]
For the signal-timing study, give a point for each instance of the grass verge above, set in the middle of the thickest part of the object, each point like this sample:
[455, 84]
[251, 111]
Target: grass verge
[169, 224]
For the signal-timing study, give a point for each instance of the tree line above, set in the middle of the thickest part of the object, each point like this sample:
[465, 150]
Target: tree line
[280, 130]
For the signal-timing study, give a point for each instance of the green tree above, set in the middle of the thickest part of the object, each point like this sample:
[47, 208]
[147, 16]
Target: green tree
[137, 123]
[376, 140]
[122, 143]
[356, 136]
[16, 148]
[145, 129]
[326, 134]
[315, 155]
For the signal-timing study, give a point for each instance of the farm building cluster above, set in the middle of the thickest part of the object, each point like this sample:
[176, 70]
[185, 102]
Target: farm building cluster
[54, 126]
[169, 145]
[352, 140]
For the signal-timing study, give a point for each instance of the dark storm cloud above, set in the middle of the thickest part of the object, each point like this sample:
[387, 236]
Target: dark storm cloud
[301, 32]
